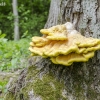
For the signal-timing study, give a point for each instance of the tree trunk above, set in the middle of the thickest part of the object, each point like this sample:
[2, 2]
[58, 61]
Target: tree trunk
[80, 81]
[16, 20]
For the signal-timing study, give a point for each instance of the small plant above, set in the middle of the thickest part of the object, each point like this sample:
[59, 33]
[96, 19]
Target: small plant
[2, 86]
[3, 89]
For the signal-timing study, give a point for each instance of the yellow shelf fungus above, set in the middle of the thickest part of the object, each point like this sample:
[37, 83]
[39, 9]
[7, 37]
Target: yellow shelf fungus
[72, 57]
[64, 45]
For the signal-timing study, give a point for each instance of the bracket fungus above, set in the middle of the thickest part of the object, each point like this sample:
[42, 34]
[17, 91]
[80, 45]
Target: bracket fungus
[64, 45]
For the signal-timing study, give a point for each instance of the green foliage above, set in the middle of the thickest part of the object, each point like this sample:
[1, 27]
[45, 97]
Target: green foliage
[32, 17]
[13, 54]
[5, 23]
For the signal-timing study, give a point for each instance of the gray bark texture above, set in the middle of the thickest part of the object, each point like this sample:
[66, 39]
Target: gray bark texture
[16, 20]
[81, 80]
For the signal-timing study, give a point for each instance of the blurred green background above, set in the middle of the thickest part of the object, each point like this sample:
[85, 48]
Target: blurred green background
[32, 15]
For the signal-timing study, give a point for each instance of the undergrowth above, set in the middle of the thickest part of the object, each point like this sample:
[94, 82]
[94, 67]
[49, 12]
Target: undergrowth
[13, 54]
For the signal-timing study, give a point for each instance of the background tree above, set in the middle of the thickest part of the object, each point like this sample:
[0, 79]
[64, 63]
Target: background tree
[16, 19]
[80, 81]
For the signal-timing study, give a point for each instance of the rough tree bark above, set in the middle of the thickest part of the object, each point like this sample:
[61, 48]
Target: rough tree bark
[81, 81]
[16, 20]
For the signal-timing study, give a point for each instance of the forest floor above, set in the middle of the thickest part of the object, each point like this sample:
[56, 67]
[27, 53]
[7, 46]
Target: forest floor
[5, 80]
